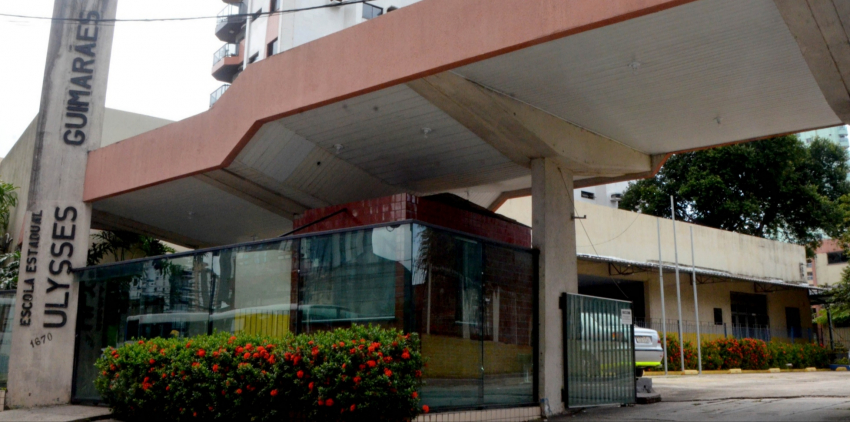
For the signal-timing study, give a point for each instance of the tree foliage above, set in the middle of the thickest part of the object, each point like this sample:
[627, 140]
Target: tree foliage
[123, 246]
[8, 200]
[10, 264]
[776, 188]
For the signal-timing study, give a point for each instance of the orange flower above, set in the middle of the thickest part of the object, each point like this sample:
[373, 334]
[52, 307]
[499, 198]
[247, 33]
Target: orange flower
[274, 393]
[414, 395]
[371, 363]
[300, 374]
[352, 408]
[238, 391]
[201, 353]
[329, 402]
[426, 409]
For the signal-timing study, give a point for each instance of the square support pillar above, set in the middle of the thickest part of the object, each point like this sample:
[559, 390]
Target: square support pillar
[554, 235]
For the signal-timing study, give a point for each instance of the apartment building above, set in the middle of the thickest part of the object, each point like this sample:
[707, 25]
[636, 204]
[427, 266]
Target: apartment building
[253, 30]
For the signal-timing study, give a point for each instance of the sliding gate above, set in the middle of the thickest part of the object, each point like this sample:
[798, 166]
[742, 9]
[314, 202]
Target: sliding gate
[599, 351]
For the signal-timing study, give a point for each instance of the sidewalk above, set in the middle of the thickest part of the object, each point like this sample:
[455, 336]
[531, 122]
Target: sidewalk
[64, 413]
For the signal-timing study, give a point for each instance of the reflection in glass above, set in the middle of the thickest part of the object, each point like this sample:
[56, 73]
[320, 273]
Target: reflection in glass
[254, 289]
[358, 276]
[145, 299]
[470, 301]
[7, 320]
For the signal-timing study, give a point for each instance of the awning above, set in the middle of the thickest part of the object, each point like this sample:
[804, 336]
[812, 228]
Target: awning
[704, 272]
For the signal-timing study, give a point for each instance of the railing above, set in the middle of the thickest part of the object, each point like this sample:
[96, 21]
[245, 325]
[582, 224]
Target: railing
[231, 10]
[371, 11]
[218, 93]
[228, 50]
[711, 331]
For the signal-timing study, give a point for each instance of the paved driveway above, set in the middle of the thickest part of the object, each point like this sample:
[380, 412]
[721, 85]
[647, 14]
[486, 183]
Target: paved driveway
[796, 396]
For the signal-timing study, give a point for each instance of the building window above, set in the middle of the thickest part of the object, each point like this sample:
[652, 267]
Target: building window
[718, 316]
[838, 257]
[588, 195]
[808, 264]
[253, 58]
[272, 48]
[256, 15]
[371, 11]
[274, 5]
[793, 323]
[810, 277]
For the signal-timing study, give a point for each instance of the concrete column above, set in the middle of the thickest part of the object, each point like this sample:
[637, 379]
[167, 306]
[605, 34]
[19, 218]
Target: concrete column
[56, 239]
[554, 234]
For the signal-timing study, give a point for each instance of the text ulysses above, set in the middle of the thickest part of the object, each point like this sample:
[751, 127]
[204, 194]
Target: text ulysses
[63, 233]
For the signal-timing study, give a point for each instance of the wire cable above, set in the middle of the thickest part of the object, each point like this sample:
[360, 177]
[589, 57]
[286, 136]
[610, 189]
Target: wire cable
[190, 18]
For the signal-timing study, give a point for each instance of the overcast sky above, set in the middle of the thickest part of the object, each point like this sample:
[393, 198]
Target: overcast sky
[160, 69]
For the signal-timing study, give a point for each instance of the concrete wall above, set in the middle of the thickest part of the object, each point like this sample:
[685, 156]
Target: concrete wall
[15, 169]
[627, 235]
[17, 165]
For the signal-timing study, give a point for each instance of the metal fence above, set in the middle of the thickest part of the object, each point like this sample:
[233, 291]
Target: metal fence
[711, 331]
[598, 350]
[840, 336]
[7, 311]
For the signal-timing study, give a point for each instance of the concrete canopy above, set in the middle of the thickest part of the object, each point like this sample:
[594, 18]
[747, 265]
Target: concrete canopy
[461, 96]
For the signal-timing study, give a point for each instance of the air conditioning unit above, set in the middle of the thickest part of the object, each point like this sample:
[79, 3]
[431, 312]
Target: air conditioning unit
[616, 197]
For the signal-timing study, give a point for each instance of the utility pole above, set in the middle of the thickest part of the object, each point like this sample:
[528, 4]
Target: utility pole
[678, 288]
[661, 285]
[696, 300]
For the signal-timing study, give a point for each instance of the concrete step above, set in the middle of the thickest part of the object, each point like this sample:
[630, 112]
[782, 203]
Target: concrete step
[63, 413]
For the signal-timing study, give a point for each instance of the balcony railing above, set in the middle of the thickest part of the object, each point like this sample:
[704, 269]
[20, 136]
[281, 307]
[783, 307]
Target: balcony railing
[232, 11]
[218, 93]
[228, 50]
[230, 22]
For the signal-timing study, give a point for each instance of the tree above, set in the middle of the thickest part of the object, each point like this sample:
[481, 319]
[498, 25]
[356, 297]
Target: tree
[123, 246]
[776, 188]
[8, 200]
[10, 264]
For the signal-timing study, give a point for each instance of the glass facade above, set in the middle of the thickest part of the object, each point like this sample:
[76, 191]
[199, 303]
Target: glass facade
[470, 300]
[7, 317]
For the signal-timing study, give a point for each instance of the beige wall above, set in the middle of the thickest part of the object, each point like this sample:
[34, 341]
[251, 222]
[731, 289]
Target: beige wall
[827, 274]
[627, 235]
[17, 165]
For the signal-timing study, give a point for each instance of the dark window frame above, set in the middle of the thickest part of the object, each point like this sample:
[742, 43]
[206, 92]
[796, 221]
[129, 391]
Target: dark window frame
[718, 316]
[272, 48]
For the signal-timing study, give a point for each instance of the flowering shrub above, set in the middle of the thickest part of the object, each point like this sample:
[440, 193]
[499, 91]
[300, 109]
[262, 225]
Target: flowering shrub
[798, 355]
[361, 373]
[747, 353]
[673, 356]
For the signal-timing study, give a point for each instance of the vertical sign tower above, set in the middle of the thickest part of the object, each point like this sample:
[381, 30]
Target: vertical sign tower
[56, 239]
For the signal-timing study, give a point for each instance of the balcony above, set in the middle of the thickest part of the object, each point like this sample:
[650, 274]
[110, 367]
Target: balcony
[226, 62]
[230, 21]
[218, 93]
